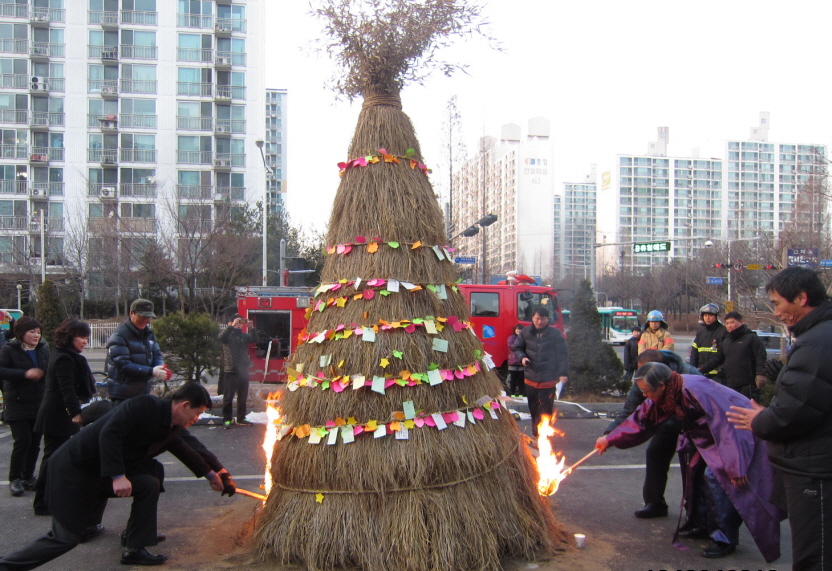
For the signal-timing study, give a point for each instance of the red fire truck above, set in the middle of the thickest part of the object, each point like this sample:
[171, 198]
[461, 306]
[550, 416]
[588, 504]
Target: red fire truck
[496, 309]
[278, 315]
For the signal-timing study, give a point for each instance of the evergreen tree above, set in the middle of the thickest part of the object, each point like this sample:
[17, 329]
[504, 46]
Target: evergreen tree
[593, 365]
[190, 344]
[48, 309]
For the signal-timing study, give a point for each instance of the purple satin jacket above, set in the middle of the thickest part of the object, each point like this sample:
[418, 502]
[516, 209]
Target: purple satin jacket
[730, 453]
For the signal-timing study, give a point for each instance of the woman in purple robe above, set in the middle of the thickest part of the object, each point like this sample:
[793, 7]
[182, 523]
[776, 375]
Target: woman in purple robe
[737, 478]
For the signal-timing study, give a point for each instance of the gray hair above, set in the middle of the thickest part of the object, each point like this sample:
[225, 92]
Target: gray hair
[653, 374]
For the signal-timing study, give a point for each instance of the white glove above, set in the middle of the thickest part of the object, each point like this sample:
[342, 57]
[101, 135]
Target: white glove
[160, 372]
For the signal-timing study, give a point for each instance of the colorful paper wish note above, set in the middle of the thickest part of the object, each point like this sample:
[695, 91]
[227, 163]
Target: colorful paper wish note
[319, 497]
[439, 420]
[368, 334]
[402, 433]
[333, 436]
[409, 409]
[393, 286]
[314, 437]
[430, 327]
[325, 360]
[441, 291]
[440, 345]
[378, 384]
[460, 419]
[347, 434]
[434, 377]
[439, 253]
[357, 382]
[380, 432]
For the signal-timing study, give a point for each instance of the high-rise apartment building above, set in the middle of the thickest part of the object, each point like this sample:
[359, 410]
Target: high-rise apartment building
[125, 118]
[575, 218]
[513, 180]
[275, 147]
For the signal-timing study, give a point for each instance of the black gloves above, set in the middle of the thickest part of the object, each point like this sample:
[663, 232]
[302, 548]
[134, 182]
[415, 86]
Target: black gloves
[228, 485]
[772, 368]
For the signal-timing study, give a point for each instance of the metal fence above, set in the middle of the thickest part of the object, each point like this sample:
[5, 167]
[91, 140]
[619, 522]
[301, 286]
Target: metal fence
[100, 332]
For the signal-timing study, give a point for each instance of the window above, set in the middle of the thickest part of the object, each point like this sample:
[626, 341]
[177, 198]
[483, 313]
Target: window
[528, 301]
[485, 304]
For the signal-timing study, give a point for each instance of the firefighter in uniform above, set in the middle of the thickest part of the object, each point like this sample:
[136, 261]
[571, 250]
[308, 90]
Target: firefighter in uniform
[707, 340]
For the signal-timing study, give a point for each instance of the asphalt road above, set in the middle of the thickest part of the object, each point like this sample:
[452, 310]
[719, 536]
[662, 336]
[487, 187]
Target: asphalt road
[207, 531]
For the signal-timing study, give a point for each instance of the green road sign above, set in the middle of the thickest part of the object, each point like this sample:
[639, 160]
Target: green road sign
[648, 247]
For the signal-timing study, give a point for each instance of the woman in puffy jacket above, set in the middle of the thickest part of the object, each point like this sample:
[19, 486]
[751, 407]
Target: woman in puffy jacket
[23, 362]
[515, 367]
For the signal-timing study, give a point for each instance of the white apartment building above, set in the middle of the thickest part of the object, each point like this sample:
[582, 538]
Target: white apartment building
[125, 116]
[575, 218]
[275, 147]
[512, 179]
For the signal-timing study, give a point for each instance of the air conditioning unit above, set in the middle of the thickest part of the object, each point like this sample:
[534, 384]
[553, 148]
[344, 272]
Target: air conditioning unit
[40, 18]
[221, 162]
[219, 197]
[108, 161]
[43, 86]
[223, 60]
[39, 158]
[108, 191]
[37, 192]
[109, 54]
[112, 90]
[222, 28]
[221, 129]
[40, 51]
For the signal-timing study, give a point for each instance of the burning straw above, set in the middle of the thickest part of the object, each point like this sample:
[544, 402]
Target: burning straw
[415, 499]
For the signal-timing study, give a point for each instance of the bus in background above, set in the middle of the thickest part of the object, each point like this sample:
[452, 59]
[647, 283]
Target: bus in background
[617, 324]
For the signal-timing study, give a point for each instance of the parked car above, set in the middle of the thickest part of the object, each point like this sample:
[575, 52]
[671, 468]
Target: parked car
[772, 343]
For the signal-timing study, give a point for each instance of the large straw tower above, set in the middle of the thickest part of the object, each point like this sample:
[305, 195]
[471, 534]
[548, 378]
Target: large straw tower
[395, 453]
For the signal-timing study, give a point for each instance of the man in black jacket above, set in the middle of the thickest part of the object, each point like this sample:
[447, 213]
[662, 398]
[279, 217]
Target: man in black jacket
[235, 364]
[114, 457]
[707, 341]
[631, 354]
[798, 422]
[742, 357]
[133, 355]
[542, 350]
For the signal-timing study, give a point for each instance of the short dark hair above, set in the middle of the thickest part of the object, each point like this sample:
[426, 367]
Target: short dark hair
[541, 311]
[194, 393]
[67, 331]
[792, 281]
[25, 324]
[653, 374]
[733, 315]
[635, 328]
[650, 356]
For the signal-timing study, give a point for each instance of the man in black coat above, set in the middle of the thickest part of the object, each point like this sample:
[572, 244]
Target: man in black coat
[133, 355]
[707, 341]
[114, 457]
[631, 354]
[542, 350]
[742, 357]
[798, 422]
[235, 365]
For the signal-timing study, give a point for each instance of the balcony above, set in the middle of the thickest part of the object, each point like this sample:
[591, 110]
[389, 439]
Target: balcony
[139, 17]
[139, 52]
[230, 160]
[194, 21]
[138, 155]
[107, 54]
[195, 89]
[105, 19]
[199, 192]
[53, 224]
[46, 189]
[14, 10]
[44, 120]
[108, 158]
[13, 186]
[16, 116]
[137, 121]
[223, 128]
[52, 153]
[138, 86]
[138, 190]
[13, 46]
[102, 190]
[42, 51]
[108, 88]
[142, 225]
[194, 123]
[232, 192]
[223, 60]
[13, 80]
[195, 55]
[45, 16]
[194, 225]
[194, 157]
[14, 222]
[227, 25]
[14, 152]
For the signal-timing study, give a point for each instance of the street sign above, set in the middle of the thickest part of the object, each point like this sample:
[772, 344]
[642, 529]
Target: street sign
[826, 263]
[738, 266]
[729, 305]
[803, 257]
[714, 281]
[646, 247]
[754, 267]
[465, 260]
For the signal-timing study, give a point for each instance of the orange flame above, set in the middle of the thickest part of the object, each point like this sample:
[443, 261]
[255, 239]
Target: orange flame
[273, 415]
[549, 463]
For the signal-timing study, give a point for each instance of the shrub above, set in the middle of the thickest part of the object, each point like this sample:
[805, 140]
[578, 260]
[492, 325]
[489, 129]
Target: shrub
[189, 343]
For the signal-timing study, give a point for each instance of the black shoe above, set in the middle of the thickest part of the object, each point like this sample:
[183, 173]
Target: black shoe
[717, 549]
[92, 532]
[160, 537]
[140, 556]
[29, 483]
[694, 532]
[244, 422]
[651, 510]
[16, 487]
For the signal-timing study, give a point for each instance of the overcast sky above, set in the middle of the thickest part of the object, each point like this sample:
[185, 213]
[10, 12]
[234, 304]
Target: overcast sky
[605, 73]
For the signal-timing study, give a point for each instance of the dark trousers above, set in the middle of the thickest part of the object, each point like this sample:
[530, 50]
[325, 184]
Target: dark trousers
[141, 525]
[541, 401]
[515, 382]
[660, 452]
[723, 519]
[25, 449]
[235, 384]
[50, 444]
[55, 543]
[808, 502]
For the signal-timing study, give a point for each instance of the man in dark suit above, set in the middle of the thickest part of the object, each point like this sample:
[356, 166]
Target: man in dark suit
[114, 457]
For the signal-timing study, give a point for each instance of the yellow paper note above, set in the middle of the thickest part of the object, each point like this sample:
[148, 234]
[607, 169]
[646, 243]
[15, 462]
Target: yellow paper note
[319, 497]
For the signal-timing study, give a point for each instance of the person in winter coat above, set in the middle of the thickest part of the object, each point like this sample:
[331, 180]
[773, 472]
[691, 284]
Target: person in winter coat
[798, 423]
[23, 362]
[707, 340]
[655, 335]
[235, 364]
[542, 351]
[742, 356]
[133, 355]
[631, 354]
[515, 367]
[69, 384]
[737, 476]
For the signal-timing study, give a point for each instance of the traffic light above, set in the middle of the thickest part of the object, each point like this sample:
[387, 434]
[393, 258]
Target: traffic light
[770, 267]
[725, 265]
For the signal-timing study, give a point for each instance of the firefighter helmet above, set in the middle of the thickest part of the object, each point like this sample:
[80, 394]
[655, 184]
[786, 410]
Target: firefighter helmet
[709, 308]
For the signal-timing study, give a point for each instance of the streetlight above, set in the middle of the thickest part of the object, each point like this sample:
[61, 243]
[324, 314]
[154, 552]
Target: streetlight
[265, 215]
[19, 289]
[474, 229]
[710, 244]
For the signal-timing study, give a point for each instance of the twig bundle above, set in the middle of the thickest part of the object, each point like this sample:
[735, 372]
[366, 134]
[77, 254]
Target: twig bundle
[460, 498]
